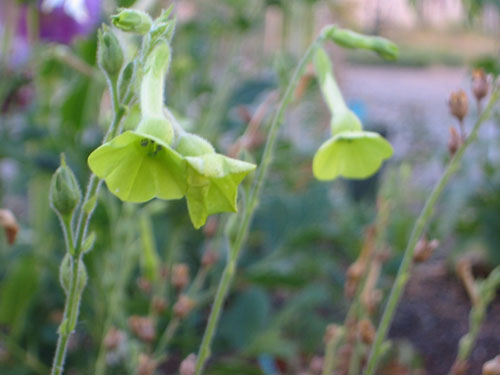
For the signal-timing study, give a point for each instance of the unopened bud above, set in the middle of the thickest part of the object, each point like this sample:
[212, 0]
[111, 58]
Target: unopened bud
[180, 276]
[459, 105]
[183, 306]
[366, 331]
[66, 275]
[147, 365]
[454, 142]
[424, 249]
[109, 53]
[113, 339]
[64, 193]
[188, 365]
[480, 84]
[132, 20]
[210, 257]
[9, 223]
[492, 367]
[142, 327]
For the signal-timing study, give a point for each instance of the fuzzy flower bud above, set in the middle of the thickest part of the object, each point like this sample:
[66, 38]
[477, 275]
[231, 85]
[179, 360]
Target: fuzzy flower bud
[132, 20]
[109, 53]
[459, 105]
[64, 193]
[480, 84]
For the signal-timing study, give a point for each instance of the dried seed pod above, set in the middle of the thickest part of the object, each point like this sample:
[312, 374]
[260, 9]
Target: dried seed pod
[159, 304]
[180, 276]
[424, 249]
[366, 331]
[183, 306]
[455, 141]
[459, 105]
[492, 367]
[9, 223]
[480, 84]
[147, 365]
[113, 339]
[142, 327]
[188, 365]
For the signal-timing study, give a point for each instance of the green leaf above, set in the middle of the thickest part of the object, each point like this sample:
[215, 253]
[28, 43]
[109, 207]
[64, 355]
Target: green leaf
[213, 181]
[138, 167]
[354, 155]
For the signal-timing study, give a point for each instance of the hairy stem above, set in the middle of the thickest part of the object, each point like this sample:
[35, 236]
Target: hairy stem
[244, 224]
[418, 229]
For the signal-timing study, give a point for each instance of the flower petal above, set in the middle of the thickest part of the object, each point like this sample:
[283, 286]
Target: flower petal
[354, 155]
[134, 174]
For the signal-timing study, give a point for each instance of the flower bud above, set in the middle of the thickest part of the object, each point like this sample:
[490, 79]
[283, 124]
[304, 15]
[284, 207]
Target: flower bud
[180, 276]
[66, 275]
[492, 367]
[193, 145]
[142, 327]
[132, 20]
[350, 39]
[64, 192]
[454, 142]
[125, 80]
[459, 105]
[109, 53]
[183, 306]
[188, 365]
[480, 84]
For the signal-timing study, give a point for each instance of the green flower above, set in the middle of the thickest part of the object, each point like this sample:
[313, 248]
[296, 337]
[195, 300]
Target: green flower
[212, 179]
[138, 167]
[351, 154]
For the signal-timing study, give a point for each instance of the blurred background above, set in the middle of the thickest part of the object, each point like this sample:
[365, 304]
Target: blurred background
[231, 58]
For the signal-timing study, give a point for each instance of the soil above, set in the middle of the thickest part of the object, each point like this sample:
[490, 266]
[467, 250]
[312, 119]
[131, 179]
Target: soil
[433, 316]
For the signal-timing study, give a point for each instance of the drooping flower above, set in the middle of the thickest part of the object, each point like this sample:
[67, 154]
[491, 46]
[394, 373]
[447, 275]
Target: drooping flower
[355, 155]
[212, 179]
[351, 152]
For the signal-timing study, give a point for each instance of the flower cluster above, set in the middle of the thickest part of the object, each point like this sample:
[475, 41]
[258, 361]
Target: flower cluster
[159, 159]
[351, 152]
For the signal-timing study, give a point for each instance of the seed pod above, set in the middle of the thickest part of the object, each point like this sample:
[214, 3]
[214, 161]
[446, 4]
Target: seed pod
[366, 331]
[188, 365]
[209, 258]
[109, 53]
[9, 223]
[132, 20]
[113, 339]
[492, 367]
[454, 142]
[147, 365]
[142, 327]
[459, 105]
[159, 304]
[64, 193]
[183, 306]
[66, 275]
[424, 249]
[480, 84]
[180, 275]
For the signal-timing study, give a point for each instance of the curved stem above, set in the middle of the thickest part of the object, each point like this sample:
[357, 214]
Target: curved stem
[74, 248]
[418, 229]
[235, 248]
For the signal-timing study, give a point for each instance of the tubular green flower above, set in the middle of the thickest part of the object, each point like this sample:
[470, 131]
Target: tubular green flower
[355, 155]
[212, 179]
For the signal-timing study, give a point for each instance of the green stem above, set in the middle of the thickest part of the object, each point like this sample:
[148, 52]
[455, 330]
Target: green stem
[418, 229]
[330, 353]
[235, 248]
[74, 248]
